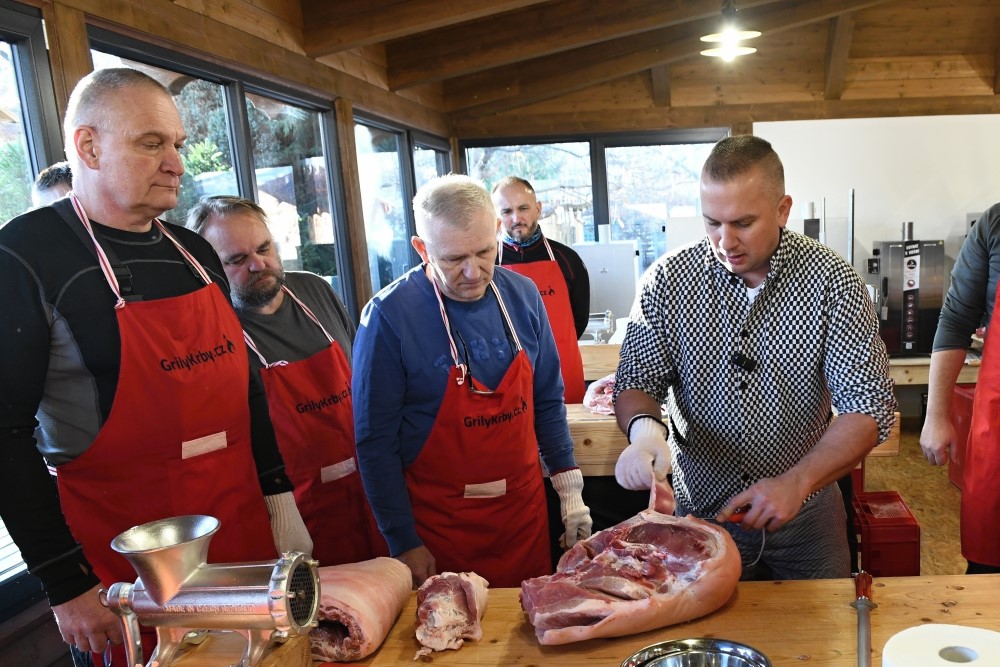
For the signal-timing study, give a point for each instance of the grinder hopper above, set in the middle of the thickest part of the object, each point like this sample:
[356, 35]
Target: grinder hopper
[178, 591]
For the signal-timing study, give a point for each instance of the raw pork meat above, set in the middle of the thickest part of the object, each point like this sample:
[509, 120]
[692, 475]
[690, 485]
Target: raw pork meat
[358, 604]
[598, 396]
[449, 609]
[648, 572]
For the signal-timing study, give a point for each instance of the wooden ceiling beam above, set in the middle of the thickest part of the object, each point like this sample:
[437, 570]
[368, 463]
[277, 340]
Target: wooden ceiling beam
[540, 31]
[716, 115]
[837, 50]
[348, 24]
[661, 85]
[509, 87]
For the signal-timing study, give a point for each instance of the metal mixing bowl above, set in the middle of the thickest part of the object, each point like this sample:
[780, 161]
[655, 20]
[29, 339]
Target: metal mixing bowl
[697, 653]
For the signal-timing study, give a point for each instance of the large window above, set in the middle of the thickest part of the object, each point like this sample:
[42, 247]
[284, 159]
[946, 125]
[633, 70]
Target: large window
[619, 201]
[249, 139]
[560, 173]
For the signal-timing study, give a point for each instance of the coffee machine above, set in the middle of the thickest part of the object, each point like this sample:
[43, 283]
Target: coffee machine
[908, 277]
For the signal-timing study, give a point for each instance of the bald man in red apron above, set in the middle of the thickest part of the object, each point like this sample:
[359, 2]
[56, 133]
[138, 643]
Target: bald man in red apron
[306, 374]
[564, 285]
[563, 282]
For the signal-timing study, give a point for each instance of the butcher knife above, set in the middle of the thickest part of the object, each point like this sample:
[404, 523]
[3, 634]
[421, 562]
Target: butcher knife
[863, 603]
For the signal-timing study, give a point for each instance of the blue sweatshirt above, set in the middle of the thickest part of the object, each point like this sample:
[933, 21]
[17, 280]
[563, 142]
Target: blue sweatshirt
[401, 364]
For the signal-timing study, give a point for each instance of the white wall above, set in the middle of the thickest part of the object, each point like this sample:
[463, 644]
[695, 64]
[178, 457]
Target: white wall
[931, 170]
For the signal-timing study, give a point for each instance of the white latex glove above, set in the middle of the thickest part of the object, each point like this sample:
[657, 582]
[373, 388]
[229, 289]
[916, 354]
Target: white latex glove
[575, 515]
[287, 527]
[646, 459]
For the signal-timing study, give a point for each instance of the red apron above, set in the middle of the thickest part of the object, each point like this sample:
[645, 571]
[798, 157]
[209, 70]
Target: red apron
[311, 409]
[476, 486]
[551, 283]
[177, 440]
[980, 491]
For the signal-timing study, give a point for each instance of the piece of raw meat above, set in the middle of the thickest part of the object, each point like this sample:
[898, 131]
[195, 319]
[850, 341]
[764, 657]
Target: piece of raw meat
[358, 604]
[648, 572]
[598, 396]
[450, 607]
[661, 496]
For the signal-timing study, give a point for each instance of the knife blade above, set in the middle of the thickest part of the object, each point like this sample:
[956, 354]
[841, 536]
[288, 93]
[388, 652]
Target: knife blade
[864, 604]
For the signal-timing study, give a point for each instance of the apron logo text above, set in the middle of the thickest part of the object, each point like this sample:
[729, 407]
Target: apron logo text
[489, 421]
[325, 402]
[193, 359]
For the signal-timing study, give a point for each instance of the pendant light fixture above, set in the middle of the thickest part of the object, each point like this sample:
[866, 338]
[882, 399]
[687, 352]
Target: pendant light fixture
[729, 36]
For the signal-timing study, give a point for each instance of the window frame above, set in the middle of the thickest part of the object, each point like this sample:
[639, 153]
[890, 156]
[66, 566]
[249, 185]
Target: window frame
[406, 139]
[598, 164]
[22, 28]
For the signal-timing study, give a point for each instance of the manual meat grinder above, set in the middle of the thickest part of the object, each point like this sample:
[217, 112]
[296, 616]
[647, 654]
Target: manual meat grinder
[178, 591]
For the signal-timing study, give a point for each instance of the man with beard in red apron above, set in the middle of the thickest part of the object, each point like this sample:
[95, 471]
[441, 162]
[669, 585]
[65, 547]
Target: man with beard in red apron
[301, 336]
[457, 390]
[123, 351]
[564, 285]
[971, 302]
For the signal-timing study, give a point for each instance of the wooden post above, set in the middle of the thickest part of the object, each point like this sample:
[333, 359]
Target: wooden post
[69, 50]
[348, 155]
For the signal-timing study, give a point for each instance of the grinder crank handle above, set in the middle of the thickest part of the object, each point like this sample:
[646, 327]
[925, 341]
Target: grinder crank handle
[116, 599]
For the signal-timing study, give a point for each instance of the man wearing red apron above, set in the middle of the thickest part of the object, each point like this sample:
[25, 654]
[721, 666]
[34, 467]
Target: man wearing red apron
[457, 390]
[563, 283]
[128, 353]
[970, 303]
[301, 335]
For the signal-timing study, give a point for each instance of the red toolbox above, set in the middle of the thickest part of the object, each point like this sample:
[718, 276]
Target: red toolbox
[961, 417]
[889, 534]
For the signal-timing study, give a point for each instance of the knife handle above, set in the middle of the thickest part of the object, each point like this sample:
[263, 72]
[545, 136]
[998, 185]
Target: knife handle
[863, 585]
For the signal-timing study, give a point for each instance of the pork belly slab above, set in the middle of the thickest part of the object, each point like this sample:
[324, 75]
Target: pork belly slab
[648, 572]
[450, 608]
[358, 604]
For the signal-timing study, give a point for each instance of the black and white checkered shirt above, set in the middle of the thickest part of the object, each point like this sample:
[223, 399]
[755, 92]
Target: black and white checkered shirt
[811, 336]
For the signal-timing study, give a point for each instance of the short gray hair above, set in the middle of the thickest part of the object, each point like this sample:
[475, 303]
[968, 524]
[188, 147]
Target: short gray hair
[221, 206]
[88, 101]
[453, 199]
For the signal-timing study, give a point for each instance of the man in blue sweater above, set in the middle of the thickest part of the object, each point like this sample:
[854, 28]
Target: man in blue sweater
[457, 388]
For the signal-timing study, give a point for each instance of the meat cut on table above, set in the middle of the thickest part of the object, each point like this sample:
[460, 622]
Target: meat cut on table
[358, 604]
[450, 609]
[648, 572]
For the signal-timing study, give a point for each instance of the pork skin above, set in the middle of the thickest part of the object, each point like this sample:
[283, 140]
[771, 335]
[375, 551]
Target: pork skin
[359, 602]
[648, 572]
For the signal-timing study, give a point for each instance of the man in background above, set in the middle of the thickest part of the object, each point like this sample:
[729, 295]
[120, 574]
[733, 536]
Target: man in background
[556, 270]
[54, 182]
[302, 338]
[457, 392]
[119, 345]
[751, 337]
[971, 301]
[564, 284]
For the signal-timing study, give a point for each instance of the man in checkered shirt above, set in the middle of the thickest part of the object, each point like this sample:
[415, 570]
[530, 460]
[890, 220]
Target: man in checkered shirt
[751, 336]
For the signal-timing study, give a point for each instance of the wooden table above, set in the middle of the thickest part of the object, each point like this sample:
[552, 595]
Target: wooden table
[792, 622]
[808, 623]
[597, 440]
[601, 360]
